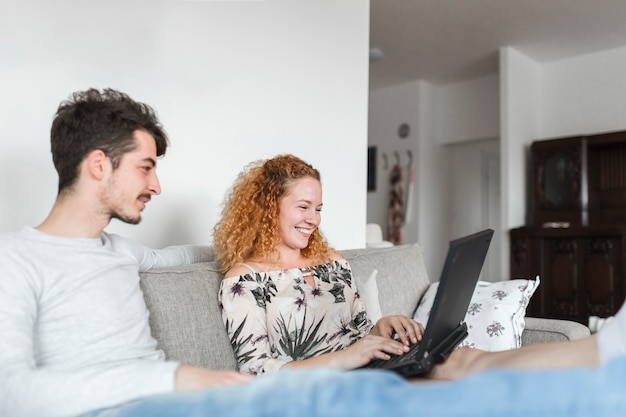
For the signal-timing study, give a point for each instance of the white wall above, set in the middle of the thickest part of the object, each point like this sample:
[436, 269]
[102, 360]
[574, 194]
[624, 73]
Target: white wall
[527, 101]
[232, 82]
[441, 118]
[584, 94]
[520, 125]
[468, 110]
[474, 197]
[388, 109]
[569, 97]
[467, 132]
[432, 185]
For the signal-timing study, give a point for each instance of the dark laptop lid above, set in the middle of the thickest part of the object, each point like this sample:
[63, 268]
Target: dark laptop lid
[446, 327]
[459, 276]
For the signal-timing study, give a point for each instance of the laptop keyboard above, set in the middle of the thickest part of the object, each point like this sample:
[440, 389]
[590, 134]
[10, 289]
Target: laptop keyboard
[395, 360]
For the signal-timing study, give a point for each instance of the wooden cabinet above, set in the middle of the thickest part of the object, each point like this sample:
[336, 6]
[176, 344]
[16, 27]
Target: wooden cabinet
[581, 269]
[578, 180]
[558, 181]
[575, 240]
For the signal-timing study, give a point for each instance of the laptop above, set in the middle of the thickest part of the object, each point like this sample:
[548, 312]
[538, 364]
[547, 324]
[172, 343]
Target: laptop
[446, 328]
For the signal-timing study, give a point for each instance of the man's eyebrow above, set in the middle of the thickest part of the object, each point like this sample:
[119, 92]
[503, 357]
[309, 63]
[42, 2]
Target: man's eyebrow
[151, 161]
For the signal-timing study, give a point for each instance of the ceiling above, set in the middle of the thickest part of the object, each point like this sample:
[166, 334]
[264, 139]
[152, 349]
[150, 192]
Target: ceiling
[443, 41]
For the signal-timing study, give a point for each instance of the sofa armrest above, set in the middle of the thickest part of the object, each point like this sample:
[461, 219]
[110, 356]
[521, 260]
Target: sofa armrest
[540, 330]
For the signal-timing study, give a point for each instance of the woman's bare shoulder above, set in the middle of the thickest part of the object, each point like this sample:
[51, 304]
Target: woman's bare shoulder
[335, 256]
[241, 269]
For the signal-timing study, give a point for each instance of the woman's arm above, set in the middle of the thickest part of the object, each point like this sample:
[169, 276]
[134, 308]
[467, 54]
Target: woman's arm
[242, 300]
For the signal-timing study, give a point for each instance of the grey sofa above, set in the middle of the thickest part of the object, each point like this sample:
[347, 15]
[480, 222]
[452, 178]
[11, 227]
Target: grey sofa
[186, 321]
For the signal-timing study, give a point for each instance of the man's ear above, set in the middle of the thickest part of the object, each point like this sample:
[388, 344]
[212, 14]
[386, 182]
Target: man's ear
[97, 164]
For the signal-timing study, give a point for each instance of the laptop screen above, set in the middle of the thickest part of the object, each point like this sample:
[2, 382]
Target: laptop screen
[460, 273]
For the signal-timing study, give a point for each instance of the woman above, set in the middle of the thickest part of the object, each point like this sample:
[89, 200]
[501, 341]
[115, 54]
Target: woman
[287, 298]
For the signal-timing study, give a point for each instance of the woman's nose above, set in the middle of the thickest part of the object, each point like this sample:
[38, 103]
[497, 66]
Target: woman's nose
[314, 218]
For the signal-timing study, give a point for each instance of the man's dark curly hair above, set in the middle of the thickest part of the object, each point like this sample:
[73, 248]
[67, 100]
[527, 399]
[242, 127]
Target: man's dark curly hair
[104, 120]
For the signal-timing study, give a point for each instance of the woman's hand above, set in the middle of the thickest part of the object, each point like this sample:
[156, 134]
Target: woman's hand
[358, 354]
[408, 330]
[368, 348]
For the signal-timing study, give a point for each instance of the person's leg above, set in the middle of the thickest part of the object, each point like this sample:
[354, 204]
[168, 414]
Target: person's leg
[365, 393]
[510, 393]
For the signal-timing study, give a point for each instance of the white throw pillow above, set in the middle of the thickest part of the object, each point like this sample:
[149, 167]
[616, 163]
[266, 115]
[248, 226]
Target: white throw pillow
[368, 290]
[495, 317]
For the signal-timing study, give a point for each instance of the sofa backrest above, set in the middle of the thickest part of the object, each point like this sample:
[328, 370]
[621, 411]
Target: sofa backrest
[186, 321]
[401, 276]
[185, 317]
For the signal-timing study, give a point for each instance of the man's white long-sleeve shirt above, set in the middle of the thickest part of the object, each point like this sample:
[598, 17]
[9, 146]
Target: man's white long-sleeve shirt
[74, 331]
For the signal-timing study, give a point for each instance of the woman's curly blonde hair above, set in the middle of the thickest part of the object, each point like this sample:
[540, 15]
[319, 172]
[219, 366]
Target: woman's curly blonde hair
[249, 224]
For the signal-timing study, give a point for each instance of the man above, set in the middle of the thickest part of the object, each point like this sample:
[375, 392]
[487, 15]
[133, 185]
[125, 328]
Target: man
[74, 334]
[74, 325]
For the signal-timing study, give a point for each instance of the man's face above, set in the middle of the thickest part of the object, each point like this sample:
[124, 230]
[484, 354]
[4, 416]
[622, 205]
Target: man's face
[134, 182]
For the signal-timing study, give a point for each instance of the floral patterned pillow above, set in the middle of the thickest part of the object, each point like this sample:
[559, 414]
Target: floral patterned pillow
[495, 317]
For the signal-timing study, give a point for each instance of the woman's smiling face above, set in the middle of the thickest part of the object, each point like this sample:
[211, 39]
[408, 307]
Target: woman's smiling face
[299, 213]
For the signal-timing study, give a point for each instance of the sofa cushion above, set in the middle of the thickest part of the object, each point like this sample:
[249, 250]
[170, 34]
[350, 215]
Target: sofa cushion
[368, 291]
[496, 315]
[184, 315]
[401, 275]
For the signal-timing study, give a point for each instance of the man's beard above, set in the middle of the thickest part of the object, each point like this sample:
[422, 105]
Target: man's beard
[118, 210]
[126, 219]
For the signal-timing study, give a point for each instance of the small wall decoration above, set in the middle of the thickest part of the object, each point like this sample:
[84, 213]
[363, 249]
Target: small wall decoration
[371, 168]
[404, 130]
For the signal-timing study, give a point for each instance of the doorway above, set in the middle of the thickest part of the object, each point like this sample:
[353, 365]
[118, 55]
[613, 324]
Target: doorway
[474, 197]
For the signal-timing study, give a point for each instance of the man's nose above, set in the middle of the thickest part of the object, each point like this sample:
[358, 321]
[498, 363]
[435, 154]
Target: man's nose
[155, 186]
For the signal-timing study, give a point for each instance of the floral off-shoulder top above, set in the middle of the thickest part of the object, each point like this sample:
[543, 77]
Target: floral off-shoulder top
[276, 317]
